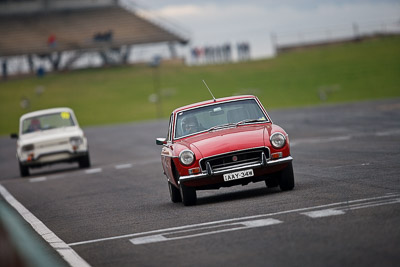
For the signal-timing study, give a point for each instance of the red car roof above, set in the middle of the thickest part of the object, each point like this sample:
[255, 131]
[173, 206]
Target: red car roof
[218, 100]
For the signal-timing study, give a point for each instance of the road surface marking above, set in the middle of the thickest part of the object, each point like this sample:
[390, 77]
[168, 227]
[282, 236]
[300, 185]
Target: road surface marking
[372, 204]
[59, 176]
[323, 213]
[320, 140]
[96, 170]
[38, 179]
[148, 239]
[60, 246]
[388, 133]
[90, 171]
[351, 165]
[123, 166]
[208, 231]
[240, 219]
[340, 211]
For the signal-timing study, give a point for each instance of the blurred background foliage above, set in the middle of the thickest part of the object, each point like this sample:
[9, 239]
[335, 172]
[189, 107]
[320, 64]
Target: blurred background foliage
[337, 73]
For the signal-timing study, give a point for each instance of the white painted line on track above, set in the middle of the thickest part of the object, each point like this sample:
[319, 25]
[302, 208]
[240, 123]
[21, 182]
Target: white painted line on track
[340, 211]
[240, 219]
[96, 170]
[59, 176]
[351, 165]
[38, 179]
[388, 133]
[123, 166]
[372, 204]
[147, 161]
[319, 140]
[231, 227]
[323, 213]
[60, 246]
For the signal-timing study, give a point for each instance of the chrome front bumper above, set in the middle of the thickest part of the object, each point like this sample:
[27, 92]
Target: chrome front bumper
[209, 172]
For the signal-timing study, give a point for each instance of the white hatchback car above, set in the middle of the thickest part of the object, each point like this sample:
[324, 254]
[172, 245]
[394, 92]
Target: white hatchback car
[50, 136]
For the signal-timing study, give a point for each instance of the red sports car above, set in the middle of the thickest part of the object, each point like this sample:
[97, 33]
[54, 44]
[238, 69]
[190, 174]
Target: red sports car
[221, 143]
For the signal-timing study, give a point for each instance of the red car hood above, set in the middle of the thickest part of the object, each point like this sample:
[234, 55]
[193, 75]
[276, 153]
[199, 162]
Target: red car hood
[227, 140]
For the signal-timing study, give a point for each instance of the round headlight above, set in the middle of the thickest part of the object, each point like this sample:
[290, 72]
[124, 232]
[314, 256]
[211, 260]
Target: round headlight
[29, 147]
[76, 141]
[278, 140]
[186, 157]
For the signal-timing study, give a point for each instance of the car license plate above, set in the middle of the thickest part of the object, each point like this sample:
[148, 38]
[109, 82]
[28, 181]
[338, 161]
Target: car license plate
[238, 175]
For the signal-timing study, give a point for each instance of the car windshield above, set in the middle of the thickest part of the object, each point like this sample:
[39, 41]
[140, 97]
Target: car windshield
[47, 122]
[219, 115]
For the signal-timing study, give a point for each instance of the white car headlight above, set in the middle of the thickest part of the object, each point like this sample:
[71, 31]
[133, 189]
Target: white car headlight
[278, 140]
[186, 157]
[76, 141]
[27, 148]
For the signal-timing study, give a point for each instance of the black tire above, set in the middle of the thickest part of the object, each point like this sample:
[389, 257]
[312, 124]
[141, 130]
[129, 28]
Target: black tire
[286, 179]
[24, 170]
[84, 161]
[272, 181]
[174, 193]
[188, 195]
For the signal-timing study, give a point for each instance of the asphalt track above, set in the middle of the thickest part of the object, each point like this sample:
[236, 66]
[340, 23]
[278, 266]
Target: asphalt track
[344, 210]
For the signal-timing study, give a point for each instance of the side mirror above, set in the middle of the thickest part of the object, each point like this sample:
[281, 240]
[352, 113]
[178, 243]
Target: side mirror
[161, 141]
[14, 135]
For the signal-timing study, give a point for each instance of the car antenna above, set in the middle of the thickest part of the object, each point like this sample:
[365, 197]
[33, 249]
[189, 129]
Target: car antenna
[209, 91]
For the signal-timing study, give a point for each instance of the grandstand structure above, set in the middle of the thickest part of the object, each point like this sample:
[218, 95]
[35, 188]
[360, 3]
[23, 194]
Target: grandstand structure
[47, 28]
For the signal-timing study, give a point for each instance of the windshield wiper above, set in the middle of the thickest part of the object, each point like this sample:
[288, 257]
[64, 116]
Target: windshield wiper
[226, 125]
[249, 121]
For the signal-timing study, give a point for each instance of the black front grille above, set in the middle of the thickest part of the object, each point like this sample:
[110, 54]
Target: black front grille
[234, 159]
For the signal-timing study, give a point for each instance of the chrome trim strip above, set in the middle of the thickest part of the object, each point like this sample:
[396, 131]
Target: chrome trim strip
[168, 156]
[257, 165]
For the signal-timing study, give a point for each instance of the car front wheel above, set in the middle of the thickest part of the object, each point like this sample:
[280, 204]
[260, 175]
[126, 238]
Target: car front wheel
[188, 195]
[24, 170]
[286, 179]
[174, 193]
[84, 161]
[272, 181]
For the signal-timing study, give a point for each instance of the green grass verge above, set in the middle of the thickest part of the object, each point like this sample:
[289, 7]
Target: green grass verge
[345, 72]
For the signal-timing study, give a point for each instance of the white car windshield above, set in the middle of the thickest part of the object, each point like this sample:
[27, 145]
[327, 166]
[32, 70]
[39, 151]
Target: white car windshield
[219, 115]
[47, 122]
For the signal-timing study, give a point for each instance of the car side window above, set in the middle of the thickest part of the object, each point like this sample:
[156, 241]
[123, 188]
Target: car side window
[169, 135]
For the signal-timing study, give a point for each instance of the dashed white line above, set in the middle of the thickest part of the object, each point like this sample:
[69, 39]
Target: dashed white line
[90, 171]
[351, 165]
[318, 140]
[59, 245]
[156, 234]
[59, 176]
[340, 211]
[96, 170]
[387, 133]
[372, 204]
[123, 166]
[323, 213]
[148, 239]
[38, 179]
[209, 231]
